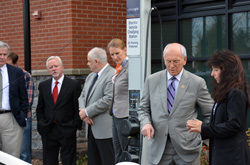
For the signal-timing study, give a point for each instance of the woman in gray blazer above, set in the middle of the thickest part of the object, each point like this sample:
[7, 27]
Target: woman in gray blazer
[119, 106]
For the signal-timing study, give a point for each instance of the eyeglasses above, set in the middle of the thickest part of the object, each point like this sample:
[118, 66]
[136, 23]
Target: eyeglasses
[174, 62]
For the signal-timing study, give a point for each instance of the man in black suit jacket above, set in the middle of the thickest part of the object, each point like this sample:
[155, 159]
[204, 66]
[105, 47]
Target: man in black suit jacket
[57, 114]
[13, 104]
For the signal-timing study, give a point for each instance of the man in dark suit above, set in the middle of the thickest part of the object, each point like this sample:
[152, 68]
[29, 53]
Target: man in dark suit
[94, 104]
[13, 104]
[57, 114]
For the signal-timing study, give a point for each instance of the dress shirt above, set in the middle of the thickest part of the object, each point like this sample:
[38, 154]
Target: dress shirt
[177, 81]
[59, 85]
[100, 72]
[5, 97]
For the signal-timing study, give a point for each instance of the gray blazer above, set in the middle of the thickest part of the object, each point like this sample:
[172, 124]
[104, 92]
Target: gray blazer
[192, 92]
[120, 94]
[98, 103]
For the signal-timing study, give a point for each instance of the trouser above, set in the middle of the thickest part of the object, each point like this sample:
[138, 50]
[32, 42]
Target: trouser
[11, 134]
[54, 142]
[26, 143]
[100, 151]
[118, 139]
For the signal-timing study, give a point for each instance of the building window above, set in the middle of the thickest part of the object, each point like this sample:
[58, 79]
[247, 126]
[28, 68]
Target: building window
[202, 36]
[241, 33]
[169, 35]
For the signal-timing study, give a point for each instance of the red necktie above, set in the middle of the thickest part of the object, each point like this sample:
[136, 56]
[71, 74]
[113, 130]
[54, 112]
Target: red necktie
[55, 92]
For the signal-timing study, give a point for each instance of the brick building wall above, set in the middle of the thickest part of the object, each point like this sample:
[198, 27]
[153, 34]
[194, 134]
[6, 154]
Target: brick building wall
[67, 28]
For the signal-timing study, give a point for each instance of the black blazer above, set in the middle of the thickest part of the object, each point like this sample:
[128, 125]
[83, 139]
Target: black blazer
[65, 112]
[17, 94]
[227, 131]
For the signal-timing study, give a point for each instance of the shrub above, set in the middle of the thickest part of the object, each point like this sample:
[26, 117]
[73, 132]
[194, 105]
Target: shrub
[205, 150]
[204, 155]
[82, 160]
[248, 135]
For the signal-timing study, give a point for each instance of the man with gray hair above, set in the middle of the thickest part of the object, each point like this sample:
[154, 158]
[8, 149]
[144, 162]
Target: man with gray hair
[57, 114]
[13, 104]
[170, 98]
[94, 104]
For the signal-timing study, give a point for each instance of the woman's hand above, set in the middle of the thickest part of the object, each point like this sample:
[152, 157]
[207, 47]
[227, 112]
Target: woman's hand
[194, 125]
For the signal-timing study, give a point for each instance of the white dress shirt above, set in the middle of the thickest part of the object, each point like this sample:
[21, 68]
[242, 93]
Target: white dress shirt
[59, 85]
[5, 97]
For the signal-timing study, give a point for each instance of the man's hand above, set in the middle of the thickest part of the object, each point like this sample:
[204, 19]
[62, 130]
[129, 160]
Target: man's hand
[88, 120]
[148, 131]
[82, 113]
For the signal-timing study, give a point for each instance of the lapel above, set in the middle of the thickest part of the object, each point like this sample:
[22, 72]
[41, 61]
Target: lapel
[63, 90]
[48, 92]
[182, 88]
[11, 75]
[163, 90]
[99, 80]
[123, 70]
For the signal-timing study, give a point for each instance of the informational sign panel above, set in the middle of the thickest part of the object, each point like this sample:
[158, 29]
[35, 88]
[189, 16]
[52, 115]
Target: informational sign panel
[133, 27]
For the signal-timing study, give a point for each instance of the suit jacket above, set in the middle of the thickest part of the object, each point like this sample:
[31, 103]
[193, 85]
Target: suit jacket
[226, 130]
[192, 92]
[119, 103]
[17, 94]
[98, 103]
[65, 111]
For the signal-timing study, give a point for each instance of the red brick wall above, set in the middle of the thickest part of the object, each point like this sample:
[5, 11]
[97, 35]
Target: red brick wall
[77, 25]
[11, 28]
[96, 22]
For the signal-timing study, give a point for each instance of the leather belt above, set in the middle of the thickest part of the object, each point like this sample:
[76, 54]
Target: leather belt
[4, 111]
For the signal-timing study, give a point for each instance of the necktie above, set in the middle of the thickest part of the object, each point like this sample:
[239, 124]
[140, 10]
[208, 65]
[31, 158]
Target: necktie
[171, 94]
[91, 86]
[1, 89]
[55, 92]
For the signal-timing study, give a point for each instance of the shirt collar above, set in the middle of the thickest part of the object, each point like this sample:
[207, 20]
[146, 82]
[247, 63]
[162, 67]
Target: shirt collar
[178, 77]
[60, 80]
[3, 68]
[124, 62]
[100, 72]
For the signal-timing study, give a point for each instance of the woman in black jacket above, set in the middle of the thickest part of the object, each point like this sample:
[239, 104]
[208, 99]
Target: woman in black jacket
[227, 127]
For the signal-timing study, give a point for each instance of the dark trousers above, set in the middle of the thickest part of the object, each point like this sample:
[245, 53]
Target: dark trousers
[100, 151]
[55, 141]
[119, 140]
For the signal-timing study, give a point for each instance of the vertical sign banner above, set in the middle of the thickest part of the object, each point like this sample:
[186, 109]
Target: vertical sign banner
[133, 27]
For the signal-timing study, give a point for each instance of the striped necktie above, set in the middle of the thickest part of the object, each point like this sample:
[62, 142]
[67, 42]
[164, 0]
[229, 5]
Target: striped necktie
[171, 94]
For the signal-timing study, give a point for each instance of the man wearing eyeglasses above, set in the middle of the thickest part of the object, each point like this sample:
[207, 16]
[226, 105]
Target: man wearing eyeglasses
[169, 99]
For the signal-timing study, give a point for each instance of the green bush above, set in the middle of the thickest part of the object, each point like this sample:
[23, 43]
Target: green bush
[205, 150]
[248, 135]
[82, 160]
[204, 155]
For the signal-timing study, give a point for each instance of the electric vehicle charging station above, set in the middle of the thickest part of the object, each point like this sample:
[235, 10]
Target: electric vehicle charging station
[137, 15]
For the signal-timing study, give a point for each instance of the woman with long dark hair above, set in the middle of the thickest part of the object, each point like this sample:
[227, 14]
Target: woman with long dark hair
[227, 127]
